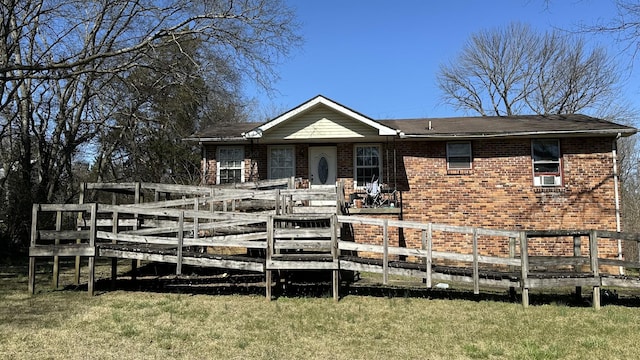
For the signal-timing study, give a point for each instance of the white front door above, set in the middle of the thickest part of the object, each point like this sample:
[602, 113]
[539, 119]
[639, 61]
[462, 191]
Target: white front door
[323, 168]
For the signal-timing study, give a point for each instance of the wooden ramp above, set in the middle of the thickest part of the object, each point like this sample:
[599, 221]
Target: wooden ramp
[283, 234]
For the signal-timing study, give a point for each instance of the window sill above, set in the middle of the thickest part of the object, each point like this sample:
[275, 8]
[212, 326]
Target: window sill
[459, 171]
[549, 189]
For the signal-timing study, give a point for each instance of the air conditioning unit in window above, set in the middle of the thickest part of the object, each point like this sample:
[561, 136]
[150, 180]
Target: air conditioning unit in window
[549, 180]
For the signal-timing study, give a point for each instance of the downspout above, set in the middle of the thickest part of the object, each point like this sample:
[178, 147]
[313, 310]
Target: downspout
[204, 163]
[616, 191]
[386, 149]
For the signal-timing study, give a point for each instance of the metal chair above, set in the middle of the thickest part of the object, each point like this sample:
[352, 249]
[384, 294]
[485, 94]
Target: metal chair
[374, 193]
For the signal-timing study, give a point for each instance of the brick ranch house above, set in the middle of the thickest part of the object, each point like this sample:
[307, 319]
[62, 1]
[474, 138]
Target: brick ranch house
[517, 172]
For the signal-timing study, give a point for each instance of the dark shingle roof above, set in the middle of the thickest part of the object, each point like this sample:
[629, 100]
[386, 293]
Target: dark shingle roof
[525, 125]
[461, 127]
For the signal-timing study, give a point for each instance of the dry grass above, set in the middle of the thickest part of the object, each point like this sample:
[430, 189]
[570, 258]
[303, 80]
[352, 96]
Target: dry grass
[137, 325]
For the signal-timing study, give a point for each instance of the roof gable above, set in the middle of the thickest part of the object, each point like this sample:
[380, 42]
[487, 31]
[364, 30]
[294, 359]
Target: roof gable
[347, 115]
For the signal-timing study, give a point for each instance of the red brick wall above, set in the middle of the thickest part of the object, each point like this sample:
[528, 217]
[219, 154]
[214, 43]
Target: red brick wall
[497, 193]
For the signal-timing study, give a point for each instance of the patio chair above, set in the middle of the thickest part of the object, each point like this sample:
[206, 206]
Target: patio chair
[374, 195]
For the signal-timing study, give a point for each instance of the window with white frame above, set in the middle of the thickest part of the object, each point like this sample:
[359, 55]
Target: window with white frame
[459, 155]
[230, 164]
[545, 154]
[282, 162]
[367, 164]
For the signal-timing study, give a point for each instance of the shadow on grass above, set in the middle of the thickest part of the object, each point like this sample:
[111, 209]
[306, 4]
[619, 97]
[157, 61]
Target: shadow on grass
[160, 278]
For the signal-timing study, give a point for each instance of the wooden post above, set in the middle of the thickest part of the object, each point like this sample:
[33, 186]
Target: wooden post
[180, 243]
[136, 263]
[512, 255]
[92, 243]
[340, 198]
[524, 268]
[269, 253]
[429, 254]
[114, 261]
[385, 252]
[335, 256]
[290, 204]
[34, 236]
[593, 254]
[81, 197]
[56, 259]
[196, 222]
[425, 259]
[138, 193]
[476, 272]
[212, 193]
[512, 250]
[577, 252]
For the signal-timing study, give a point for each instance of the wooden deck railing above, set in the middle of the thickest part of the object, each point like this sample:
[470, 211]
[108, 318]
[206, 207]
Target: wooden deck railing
[291, 239]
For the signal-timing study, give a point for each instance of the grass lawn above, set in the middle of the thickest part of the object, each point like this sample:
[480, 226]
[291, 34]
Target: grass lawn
[67, 324]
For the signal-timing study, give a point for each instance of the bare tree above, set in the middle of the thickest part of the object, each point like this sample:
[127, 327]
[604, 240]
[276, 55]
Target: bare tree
[623, 27]
[60, 58]
[516, 70]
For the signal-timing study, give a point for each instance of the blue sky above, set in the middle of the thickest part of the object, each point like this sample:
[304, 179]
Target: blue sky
[381, 57]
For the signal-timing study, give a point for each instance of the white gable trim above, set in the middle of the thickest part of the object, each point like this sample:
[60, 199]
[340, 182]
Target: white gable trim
[257, 132]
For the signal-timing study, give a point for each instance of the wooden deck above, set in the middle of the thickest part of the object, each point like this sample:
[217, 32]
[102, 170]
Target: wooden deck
[280, 229]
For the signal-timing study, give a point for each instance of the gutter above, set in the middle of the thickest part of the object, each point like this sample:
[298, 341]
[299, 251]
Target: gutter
[215, 139]
[524, 133]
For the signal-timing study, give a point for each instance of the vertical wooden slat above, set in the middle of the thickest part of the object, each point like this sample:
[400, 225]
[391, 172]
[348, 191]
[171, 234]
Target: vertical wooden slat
[34, 236]
[92, 243]
[115, 218]
[577, 268]
[340, 200]
[385, 252]
[138, 193]
[593, 254]
[335, 257]
[429, 255]
[180, 243]
[81, 197]
[56, 259]
[212, 193]
[476, 272]
[278, 202]
[512, 255]
[136, 200]
[512, 250]
[524, 268]
[425, 260]
[268, 254]
[196, 222]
